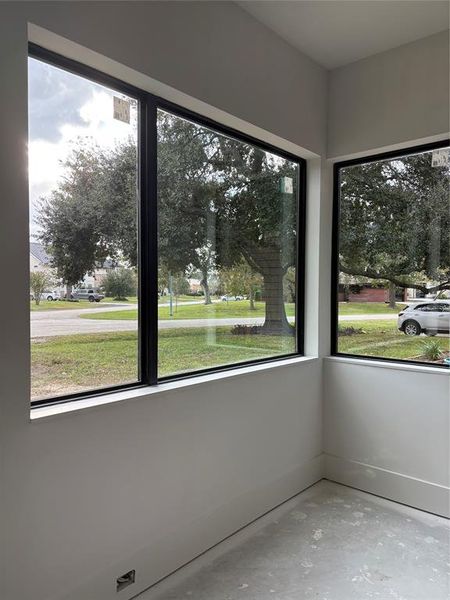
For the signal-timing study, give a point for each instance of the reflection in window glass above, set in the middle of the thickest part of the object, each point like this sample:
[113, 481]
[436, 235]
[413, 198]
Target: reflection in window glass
[394, 258]
[83, 249]
[227, 249]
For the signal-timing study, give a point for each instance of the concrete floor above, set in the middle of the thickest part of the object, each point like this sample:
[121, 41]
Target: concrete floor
[329, 543]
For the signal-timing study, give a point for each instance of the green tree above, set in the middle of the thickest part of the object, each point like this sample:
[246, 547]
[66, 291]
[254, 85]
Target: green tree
[226, 194]
[120, 283]
[395, 223]
[290, 285]
[77, 228]
[205, 262]
[39, 280]
[180, 286]
[215, 193]
[240, 279]
[163, 280]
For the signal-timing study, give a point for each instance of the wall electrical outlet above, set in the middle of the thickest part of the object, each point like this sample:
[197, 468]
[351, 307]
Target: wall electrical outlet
[125, 580]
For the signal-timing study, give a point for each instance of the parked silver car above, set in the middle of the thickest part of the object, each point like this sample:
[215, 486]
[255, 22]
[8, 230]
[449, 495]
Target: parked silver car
[87, 294]
[230, 298]
[426, 317]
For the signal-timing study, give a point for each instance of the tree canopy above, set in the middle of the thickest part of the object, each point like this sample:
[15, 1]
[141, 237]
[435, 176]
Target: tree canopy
[92, 214]
[395, 222]
[217, 196]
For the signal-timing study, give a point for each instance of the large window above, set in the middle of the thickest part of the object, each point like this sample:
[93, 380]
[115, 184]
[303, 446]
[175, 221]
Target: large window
[227, 248]
[83, 179]
[161, 244]
[392, 257]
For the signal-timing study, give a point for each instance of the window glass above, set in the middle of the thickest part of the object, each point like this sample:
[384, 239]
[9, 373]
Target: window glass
[83, 239]
[227, 249]
[216, 215]
[393, 253]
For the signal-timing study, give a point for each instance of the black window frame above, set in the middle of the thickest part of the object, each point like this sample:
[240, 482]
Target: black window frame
[148, 228]
[334, 317]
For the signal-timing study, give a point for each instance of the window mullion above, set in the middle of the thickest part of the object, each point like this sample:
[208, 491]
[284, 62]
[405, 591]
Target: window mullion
[148, 238]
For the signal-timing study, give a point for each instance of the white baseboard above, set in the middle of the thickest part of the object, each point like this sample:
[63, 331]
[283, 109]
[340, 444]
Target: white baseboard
[414, 492]
[187, 542]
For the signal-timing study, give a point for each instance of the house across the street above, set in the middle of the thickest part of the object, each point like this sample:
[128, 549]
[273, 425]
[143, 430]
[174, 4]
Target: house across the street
[40, 260]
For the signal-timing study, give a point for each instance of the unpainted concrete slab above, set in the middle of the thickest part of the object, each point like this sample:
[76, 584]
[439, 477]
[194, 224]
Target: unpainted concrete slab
[332, 543]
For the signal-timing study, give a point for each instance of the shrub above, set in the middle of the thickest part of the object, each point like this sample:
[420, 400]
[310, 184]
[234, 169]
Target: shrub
[343, 331]
[432, 350]
[38, 282]
[246, 329]
[120, 283]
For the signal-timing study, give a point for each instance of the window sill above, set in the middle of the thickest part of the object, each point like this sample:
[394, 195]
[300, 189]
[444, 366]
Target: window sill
[377, 364]
[131, 394]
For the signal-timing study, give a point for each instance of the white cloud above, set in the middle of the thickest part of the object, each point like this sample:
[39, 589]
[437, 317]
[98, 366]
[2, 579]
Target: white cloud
[92, 120]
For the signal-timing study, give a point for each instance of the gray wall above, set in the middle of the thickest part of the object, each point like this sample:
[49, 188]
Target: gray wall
[151, 481]
[390, 98]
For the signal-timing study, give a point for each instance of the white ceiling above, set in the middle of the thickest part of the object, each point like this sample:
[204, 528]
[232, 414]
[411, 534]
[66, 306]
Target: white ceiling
[338, 32]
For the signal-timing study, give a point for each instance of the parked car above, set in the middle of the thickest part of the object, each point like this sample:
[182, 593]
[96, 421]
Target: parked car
[425, 317]
[230, 298]
[49, 295]
[87, 294]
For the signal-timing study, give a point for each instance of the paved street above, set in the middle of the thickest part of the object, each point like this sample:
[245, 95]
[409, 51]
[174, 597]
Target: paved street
[68, 322]
[382, 317]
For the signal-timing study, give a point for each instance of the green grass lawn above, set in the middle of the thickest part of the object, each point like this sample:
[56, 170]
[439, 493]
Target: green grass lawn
[161, 300]
[62, 304]
[71, 364]
[183, 298]
[382, 338]
[45, 305]
[240, 308]
[75, 363]
[218, 310]
[367, 308]
[129, 300]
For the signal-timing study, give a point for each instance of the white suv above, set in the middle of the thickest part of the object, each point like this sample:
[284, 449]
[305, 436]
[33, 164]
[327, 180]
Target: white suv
[426, 317]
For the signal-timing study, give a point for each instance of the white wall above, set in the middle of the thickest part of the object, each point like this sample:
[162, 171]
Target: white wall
[150, 482]
[387, 430]
[391, 98]
[147, 483]
[213, 51]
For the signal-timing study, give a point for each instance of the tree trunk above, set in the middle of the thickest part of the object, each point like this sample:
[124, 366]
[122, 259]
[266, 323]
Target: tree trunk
[68, 291]
[346, 292]
[205, 286]
[392, 298]
[276, 322]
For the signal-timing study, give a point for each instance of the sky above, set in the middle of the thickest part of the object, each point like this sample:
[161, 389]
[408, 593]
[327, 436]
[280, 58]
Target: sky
[62, 109]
